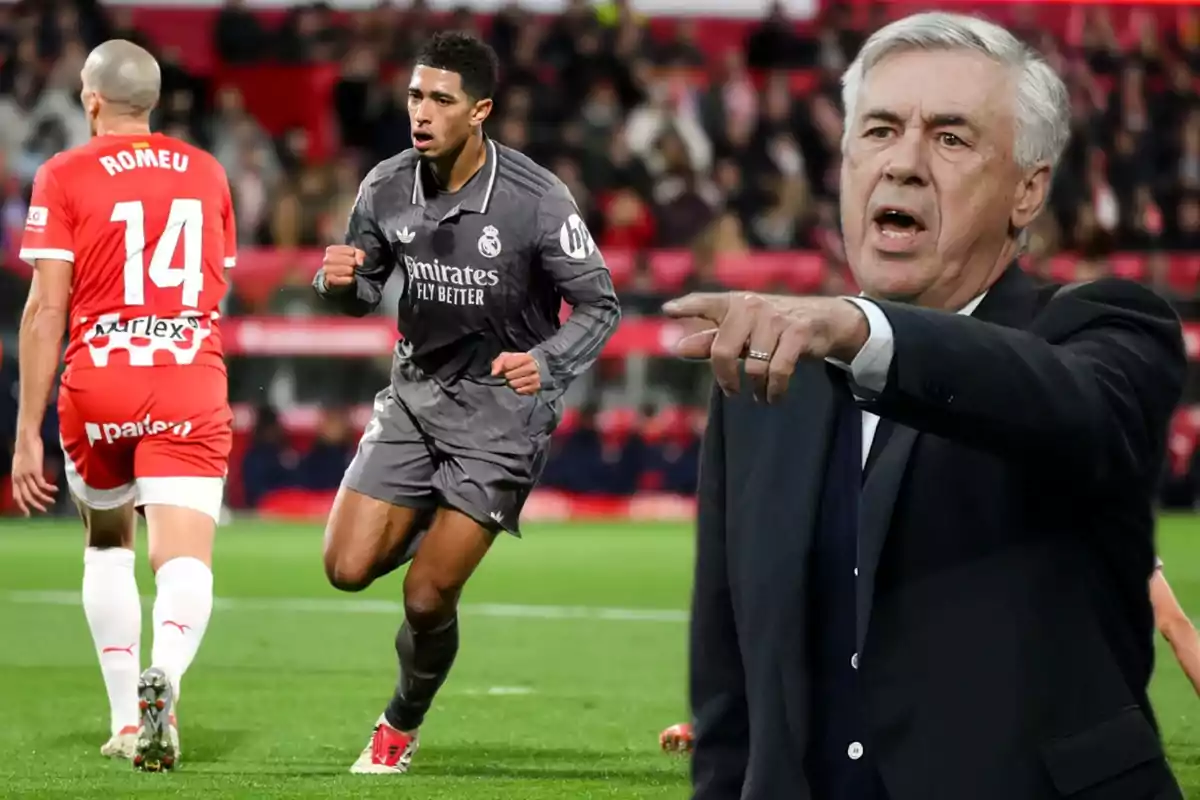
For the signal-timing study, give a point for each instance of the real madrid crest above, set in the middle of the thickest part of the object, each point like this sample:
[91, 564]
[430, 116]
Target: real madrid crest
[489, 242]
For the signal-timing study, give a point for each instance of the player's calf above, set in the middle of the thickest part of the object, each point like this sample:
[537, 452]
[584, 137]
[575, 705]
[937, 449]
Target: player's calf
[427, 642]
[181, 541]
[114, 614]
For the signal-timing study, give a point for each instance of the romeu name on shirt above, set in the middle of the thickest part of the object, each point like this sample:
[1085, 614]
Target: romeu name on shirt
[147, 223]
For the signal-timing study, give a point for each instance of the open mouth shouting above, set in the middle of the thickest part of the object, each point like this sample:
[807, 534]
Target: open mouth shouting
[897, 229]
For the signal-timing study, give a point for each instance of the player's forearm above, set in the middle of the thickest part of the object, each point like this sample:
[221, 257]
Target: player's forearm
[1186, 645]
[569, 353]
[356, 300]
[39, 349]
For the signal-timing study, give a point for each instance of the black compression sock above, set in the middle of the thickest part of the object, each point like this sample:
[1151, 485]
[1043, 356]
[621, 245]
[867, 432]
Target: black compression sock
[425, 661]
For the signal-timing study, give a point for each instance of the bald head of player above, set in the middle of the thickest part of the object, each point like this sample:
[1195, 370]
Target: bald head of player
[121, 85]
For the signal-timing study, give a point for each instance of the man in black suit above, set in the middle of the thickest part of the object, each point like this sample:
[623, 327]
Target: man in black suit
[925, 514]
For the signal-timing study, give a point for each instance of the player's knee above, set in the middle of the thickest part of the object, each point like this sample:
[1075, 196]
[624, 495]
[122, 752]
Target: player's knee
[108, 528]
[428, 603]
[347, 574]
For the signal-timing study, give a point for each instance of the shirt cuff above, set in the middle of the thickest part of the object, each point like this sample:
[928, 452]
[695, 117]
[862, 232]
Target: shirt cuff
[869, 369]
[543, 365]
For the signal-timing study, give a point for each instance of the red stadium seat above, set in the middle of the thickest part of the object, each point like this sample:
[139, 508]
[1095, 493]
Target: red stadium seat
[568, 423]
[1062, 268]
[1184, 272]
[802, 270]
[670, 268]
[616, 424]
[1181, 440]
[754, 271]
[670, 424]
[622, 263]
[1131, 266]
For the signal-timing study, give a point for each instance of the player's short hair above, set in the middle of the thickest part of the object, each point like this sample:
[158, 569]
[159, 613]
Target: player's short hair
[1042, 104]
[474, 60]
[125, 74]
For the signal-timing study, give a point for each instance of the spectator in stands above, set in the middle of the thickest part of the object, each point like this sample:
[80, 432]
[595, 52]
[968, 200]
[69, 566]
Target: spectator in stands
[627, 221]
[301, 210]
[324, 463]
[665, 131]
[46, 139]
[269, 463]
[671, 452]
[254, 184]
[308, 35]
[602, 454]
[388, 123]
[232, 131]
[774, 43]
[685, 201]
[1184, 235]
[581, 90]
[238, 35]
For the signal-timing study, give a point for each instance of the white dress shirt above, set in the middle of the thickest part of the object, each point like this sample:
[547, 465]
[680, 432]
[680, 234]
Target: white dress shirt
[870, 367]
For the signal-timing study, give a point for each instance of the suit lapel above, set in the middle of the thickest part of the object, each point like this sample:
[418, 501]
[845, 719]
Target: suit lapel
[880, 488]
[1011, 301]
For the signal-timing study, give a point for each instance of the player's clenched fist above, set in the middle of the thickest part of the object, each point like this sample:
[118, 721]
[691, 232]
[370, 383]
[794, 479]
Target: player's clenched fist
[520, 371]
[341, 261]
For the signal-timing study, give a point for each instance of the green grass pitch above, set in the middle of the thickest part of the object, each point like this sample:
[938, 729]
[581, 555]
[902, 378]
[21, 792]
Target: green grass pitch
[573, 660]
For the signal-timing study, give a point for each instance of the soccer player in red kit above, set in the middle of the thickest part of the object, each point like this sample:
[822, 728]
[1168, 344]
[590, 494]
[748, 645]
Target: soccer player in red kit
[130, 236]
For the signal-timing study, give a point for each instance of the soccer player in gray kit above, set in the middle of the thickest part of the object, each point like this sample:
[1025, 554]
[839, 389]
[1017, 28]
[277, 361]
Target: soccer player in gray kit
[488, 245]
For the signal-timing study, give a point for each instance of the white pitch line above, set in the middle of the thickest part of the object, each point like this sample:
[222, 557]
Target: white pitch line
[361, 606]
[497, 691]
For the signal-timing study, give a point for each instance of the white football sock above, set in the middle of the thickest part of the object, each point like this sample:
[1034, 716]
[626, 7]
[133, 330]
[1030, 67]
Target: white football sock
[181, 611]
[114, 614]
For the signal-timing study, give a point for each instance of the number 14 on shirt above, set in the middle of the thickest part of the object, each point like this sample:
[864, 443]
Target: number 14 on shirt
[186, 219]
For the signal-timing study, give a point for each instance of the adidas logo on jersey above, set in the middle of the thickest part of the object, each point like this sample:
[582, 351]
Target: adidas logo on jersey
[114, 431]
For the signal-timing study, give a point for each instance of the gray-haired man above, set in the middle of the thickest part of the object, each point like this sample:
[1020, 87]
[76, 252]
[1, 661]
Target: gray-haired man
[921, 569]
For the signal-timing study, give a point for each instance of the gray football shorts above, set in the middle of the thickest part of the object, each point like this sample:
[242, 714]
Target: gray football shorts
[441, 460]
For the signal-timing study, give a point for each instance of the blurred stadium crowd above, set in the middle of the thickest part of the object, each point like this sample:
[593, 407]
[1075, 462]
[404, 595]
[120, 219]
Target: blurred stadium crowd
[667, 146]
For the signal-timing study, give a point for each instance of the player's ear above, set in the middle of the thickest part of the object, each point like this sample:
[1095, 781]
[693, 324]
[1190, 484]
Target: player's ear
[481, 111]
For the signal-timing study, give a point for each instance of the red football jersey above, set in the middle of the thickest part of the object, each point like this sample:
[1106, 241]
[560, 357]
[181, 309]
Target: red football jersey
[148, 223]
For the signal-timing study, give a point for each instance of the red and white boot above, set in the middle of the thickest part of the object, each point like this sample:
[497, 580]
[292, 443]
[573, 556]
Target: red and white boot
[122, 744]
[677, 738]
[388, 752]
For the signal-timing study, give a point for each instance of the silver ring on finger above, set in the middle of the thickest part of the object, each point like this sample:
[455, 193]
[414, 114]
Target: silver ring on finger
[759, 355]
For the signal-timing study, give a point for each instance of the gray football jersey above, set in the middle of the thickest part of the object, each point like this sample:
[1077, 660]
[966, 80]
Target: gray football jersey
[484, 269]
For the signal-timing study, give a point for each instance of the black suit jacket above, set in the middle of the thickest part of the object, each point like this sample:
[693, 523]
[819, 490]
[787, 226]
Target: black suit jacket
[1005, 540]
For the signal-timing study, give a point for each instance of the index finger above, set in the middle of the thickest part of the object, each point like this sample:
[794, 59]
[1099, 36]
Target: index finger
[728, 346]
[712, 306]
